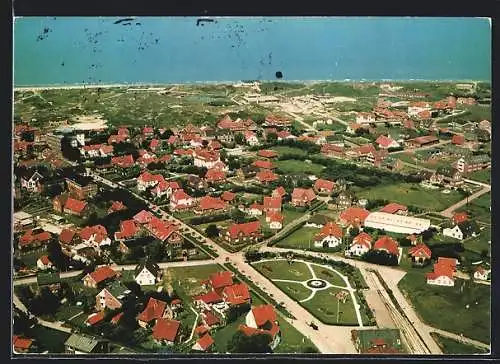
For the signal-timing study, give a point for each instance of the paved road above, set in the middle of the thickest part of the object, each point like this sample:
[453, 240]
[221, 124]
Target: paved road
[449, 211]
[461, 338]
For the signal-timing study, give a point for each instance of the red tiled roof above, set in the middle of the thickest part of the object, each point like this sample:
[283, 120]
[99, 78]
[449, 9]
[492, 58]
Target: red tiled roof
[363, 239]
[149, 177]
[116, 318]
[205, 342]
[275, 216]
[153, 310]
[451, 262]
[324, 184]
[245, 229]
[280, 191]
[354, 215]
[384, 141]
[154, 143]
[200, 330]
[365, 149]
[29, 238]
[210, 297]
[147, 130]
[117, 206]
[221, 279]
[21, 343]
[228, 196]
[271, 203]
[211, 203]
[387, 243]
[206, 155]
[99, 231]
[440, 270]
[303, 194]
[123, 161]
[236, 294]
[180, 195]
[128, 229]
[107, 149]
[166, 329]
[95, 318]
[409, 124]
[329, 229]
[143, 217]
[123, 131]
[45, 260]
[393, 207]
[263, 314]
[266, 175]
[66, 235]
[458, 139]
[263, 164]
[378, 341]
[210, 319]
[420, 250]
[267, 153]
[249, 331]
[75, 205]
[102, 273]
[459, 217]
[215, 175]
[425, 139]
[424, 114]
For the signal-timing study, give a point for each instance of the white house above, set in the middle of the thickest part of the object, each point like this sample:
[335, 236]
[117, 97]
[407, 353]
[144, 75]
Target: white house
[205, 158]
[147, 273]
[454, 232]
[364, 118]
[330, 236]
[275, 220]
[263, 319]
[43, 263]
[251, 138]
[180, 199]
[442, 275]
[361, 244]
[30, 182]
[482, 274]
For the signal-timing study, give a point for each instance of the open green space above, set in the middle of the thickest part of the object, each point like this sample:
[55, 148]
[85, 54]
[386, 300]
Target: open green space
[292, 341]
[186, 281]
[483, 175]
[466, 304]
[479, 209]
[48, 339]
[283, 149]
[479, 243]
[299, 239]
[292, 166]
[280, 269]
[295, 290]
[325, 306]
[328, 275]
[412, 194]
[450, 346]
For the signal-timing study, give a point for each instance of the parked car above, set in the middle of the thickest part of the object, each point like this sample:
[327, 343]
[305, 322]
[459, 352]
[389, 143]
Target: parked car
[314, 326]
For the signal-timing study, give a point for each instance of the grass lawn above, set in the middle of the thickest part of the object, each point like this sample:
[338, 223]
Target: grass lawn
[223, 335]
[283, 149]
[391, 336]
[48, 339]
[480, 242]
[431, 301]
[479, 209]
[411, 194]
[299, 239]
[68, 311]
[450, 346]
[292, 166]
[328, 275]
[290, 215]
[280, 269]
[292, 341]
[295, 290]
[186, 281]
[324, 307]
[483, 175]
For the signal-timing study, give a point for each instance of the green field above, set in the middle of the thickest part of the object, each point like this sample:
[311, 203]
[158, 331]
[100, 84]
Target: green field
[186, 281]
[431, 301]
[283, 149]
[483, 175]
[292, 341]
[295, 290]
[480, 242]
[450, 346]
[324, 306]
[299, 239]
[328, 275]
[292, 166]
[280, 269]
[479, 209]
[48, 339]
[411, 194]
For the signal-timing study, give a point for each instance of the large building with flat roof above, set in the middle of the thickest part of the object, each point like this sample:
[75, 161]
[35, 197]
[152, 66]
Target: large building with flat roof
[397, 223]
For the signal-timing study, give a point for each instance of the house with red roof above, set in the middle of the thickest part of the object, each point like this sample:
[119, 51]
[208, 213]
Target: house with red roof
[386, 142]
[376, 157]
[263, 164]
[206, 158]
[163, 230]
[106, 150]
[276, 120]
[285, 135]
[238, 233]
[116, 206]
[459, 217]
[267, 153]
[165, 331]
[116, 139]
[275, 220]
[21, 345]
[263, 320]
[128, 230]
[115, 320]
[204, 343]
[271, 204]
[255, 209]
[154, 145]
[146, 180]
[279, 192]
[96, 236]
[323, 186]
[442, 275]
[154, 310]
[218, 280]
[214, 145]
[361, 152]
[99, 276]
[330, 236]
[44, 263]
[361, 244]
[34, 238]
[95, 318]
[75, 207]
[236, 294]
[458, 139]
[161, 189]
[206, 300]
[111, 296]
[124, 161]
[209, 204]
[302, 197]
[180, 200]
[210, 319]
[387, 244]
[67, 237]
[333, 150]
[148, 132]
[228, 196]
[482, 274]
[353, 216]
[251, 138]
[143, 217]
[420, 254]
[395, 208]
[266, 176]
[215, 176]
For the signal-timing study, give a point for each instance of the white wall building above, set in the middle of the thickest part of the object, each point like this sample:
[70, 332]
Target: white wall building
[454, 232]
[397, 223]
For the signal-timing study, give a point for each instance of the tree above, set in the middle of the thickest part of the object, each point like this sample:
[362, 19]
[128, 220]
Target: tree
[137, 252]
[238, 216]
[239, 139]
[155, 250]
[271, 138]
[240, 343]
[380, 257]
[212, 231]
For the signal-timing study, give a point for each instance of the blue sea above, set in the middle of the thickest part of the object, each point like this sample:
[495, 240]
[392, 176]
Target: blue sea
[156, 50]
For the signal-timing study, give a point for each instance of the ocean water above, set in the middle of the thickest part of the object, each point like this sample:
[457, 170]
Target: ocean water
[76, 50]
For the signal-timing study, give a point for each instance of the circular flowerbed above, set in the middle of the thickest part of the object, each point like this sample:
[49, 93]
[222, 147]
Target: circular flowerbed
[316, 283]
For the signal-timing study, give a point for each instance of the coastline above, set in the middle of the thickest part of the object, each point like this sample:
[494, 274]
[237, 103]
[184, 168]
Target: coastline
[188, 83]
